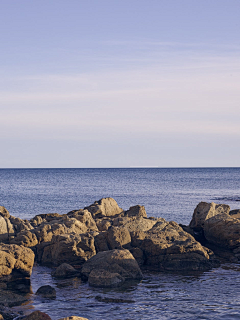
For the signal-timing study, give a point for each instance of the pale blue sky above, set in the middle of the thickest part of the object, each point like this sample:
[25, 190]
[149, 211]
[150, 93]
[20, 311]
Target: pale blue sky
[119, 83]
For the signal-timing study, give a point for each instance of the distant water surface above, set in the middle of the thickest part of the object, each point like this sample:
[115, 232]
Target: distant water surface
[169, 193]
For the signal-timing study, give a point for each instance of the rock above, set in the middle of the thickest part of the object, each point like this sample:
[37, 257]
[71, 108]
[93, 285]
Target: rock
[167, 247]
[106, 207]
[135, 223]
[204, 211]
[103, 224]
[25, 238]
[4, 212]
[1, 317]
[223, 230]
[235, 213]
[11, 299]
[118, 237]
[37, 315]
[85, 217]
[65, 270]
[6, 229]
[136, 211]
[73, 318]
[113, 300]
[20, 225]
[102, 278]
[72, 248]
[114, 261]
[14, 257]
[46, 292]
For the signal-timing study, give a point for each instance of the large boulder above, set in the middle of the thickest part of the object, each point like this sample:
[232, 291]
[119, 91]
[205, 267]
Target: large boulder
[65, 270]
[110, 268]
[106, 207]
[85, 217]
[14, 257]
[167, 247]
[205, 211]
[26, 239]
[223, 230]
[72, 248]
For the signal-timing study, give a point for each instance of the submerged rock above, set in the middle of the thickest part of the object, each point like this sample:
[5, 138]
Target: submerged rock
[37, 315]
[46, 292]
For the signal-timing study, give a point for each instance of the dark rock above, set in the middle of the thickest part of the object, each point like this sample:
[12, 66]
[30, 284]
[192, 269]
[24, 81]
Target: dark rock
[65, 270]
[37, 315]
[47, 292]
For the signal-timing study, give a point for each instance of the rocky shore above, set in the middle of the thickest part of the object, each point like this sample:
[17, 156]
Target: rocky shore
[107, 246]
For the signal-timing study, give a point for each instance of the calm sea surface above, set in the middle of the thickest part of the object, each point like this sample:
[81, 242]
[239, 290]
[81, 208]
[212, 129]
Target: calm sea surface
[169, 193]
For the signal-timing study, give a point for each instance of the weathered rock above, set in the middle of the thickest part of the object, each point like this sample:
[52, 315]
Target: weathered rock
[20, 225]
[26, 239]
[85, 217]
[136, 211]
[118, 237]
[167, 247]
[14, 257]
[4, 212]
[103, 224]
[103, 278]
[65, 270]
[6, 229]
[46, 292]
[37, 315]
[106, 207]
[72, 248]
[205, 211]
[135, 223]
[114, 261]
[223, 230]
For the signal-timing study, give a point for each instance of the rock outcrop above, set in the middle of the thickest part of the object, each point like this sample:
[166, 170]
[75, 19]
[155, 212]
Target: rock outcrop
[15, 258]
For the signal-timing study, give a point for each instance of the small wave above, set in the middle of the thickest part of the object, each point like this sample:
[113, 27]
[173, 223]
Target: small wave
[233, 198]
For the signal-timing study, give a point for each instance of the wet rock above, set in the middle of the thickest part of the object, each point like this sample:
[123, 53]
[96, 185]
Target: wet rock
[114, 261]
[14, 257]
[205, 211]
[10, 299]
[106, 207]
[113, 300]
[102, 278]
[136, 211]
[46, 292]
[65, 270]
[37, 315]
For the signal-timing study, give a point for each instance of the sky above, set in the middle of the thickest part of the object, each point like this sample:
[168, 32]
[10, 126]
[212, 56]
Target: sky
[126, 83]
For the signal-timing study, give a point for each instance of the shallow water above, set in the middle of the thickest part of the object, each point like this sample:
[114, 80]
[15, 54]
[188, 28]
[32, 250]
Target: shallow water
[169, 193]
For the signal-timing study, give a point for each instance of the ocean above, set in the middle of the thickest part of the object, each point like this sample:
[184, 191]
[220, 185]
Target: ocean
[170, 193]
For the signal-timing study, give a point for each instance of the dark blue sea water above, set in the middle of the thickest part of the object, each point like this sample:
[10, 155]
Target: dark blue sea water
[169, 193]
